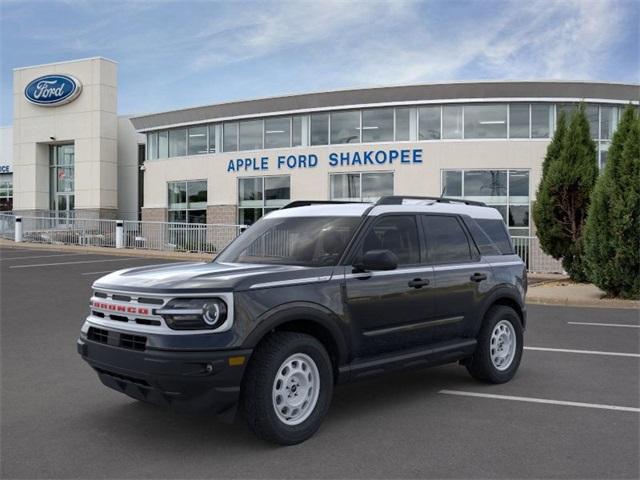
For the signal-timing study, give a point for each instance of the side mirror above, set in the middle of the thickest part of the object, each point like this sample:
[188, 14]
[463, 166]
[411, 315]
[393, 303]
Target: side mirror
[377, 260]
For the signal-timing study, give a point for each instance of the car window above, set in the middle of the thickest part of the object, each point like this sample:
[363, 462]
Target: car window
[397, 233]
[483, 242]
[446, 240]
[497, 231]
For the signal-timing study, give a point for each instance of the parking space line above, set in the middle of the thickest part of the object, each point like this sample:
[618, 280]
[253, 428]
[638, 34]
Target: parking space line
[41, 256]
[78, 262]
[587, 352]
[604, 324]
[540, 400]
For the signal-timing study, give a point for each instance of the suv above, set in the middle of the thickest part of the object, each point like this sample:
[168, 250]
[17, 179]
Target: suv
[311, 296]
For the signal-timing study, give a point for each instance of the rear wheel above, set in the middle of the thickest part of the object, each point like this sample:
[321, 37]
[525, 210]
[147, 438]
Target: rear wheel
[499, 349]
[287, 388]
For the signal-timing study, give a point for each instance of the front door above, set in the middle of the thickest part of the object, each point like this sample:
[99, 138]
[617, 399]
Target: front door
[388, 309]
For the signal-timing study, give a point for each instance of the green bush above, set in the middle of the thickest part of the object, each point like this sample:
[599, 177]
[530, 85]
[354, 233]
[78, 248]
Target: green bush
[569, 174]
[612, 233]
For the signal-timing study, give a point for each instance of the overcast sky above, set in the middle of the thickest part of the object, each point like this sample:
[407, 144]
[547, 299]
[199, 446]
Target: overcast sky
[174, 54]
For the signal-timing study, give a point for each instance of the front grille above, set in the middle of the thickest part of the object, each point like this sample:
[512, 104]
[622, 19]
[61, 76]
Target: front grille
[122, 340]
[133, 342]
[128, 309]
[98, 335]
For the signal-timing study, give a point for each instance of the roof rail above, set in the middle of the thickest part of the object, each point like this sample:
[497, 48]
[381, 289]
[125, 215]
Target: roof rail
[306, 203]
[398, 199]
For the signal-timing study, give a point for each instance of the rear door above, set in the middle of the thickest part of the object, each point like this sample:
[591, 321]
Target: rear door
[460, 276]
[388, 309]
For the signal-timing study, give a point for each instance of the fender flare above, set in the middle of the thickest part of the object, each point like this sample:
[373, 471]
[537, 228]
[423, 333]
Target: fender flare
[505, 292]
[302, 311]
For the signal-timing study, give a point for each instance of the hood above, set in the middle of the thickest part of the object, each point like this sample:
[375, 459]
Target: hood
[193, 277]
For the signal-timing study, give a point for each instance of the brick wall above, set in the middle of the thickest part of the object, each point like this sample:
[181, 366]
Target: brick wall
[154, 214]
[224, 214]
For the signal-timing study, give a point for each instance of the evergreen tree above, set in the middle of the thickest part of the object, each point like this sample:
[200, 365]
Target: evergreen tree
[612, 233]
[563, 197]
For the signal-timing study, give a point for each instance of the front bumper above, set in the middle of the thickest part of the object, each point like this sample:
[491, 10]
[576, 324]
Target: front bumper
[183, 380]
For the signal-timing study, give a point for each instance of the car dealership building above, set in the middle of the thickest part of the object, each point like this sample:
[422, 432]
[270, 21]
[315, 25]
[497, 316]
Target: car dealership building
[233, 162]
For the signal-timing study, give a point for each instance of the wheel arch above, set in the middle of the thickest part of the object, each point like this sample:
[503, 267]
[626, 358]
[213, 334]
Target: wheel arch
[302, 317]
[507, 298]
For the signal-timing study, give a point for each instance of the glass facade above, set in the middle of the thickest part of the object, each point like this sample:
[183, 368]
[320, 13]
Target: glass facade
[258, 196]
[360, 187]
[61, 179]
[6, 192]
[508, 191]
[187, 201]
[383, 124]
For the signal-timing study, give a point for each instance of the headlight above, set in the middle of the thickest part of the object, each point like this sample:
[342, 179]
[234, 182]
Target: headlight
[194, 313]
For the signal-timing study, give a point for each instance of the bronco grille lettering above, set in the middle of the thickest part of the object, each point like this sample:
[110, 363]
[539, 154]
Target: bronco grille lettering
[119, 308]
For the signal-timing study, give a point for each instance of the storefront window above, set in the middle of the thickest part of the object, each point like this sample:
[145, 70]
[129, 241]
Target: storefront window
[152, 146]
[320, 129]
[361, 187]
[258, 196]
[178, 142]
[519, 120]
[377, 125]
[62, 175]
[197, 140]
[6, 192]
[187, 201]
[251, 135]
[403, 124]
[541, 120]
[277, 132]
[429, 123]
[608, 122]
[345, 127]
[163, 144]
[230, 137]
[452, 122]
[212, 138]
[592, 116]
[485, 121]
[505, 190]
[296, 131]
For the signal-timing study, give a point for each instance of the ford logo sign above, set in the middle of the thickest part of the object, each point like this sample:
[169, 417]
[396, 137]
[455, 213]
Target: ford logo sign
[53, 90]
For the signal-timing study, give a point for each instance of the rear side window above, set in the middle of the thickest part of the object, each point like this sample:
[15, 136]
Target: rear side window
[396, 233]
[446, 240]
[497, 232]
[482, 240]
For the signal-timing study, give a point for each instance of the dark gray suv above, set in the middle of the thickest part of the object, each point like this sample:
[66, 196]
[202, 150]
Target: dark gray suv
[310, 296]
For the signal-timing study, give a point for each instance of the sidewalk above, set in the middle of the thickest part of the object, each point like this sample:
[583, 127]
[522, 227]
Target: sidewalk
[127, 252]
[564, 292]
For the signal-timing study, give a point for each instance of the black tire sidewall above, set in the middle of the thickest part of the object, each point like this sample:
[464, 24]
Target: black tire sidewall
[271, 426]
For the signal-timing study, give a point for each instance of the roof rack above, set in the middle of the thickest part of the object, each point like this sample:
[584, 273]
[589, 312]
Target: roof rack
[306, 203]
[398, 199]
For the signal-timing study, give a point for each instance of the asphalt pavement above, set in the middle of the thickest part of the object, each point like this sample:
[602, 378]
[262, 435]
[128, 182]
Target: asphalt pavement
[572, 411]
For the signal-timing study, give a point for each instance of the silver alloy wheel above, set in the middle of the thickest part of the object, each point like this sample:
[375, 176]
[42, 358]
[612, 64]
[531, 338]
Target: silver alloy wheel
[296, 389]
[503, 345]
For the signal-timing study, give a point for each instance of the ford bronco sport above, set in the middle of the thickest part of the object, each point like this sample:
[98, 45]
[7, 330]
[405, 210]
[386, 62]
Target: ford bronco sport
[311, 296]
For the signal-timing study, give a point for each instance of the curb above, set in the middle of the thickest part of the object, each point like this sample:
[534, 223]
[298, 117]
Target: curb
[567, 302]
[125, 252]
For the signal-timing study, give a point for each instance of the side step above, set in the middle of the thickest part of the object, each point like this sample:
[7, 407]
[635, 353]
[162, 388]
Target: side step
[437, 354]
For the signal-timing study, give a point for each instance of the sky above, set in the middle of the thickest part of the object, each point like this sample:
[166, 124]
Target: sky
[176, 54]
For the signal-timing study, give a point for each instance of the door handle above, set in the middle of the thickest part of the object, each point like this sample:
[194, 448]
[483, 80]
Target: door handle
[418, 282]
[478, 277]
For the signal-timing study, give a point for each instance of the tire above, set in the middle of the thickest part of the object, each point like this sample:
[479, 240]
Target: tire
[309, 380]
[496, 362]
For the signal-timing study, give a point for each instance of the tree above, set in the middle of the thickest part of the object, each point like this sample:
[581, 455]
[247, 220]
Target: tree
[612, 232]
[563, 197]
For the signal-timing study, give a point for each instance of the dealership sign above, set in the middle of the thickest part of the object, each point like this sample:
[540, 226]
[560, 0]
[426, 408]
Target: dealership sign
[5, 168]
[53, 90]
[358, 158]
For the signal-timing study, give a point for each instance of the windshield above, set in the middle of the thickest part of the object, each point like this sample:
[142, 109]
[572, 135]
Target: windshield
[304, 241]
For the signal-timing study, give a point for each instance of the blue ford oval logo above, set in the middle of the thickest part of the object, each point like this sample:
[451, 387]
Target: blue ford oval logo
[52, 90]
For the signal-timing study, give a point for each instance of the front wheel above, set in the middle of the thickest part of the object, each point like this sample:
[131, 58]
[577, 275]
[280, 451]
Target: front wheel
[287, 388]
[499, 349]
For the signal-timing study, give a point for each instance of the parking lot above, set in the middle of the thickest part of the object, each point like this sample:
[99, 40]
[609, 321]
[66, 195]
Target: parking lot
[572, 411]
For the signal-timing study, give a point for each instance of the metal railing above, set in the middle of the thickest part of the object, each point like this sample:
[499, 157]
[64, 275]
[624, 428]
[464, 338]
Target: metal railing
[7, 226]
[528, 248]
[183, 237]
[69, 231]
